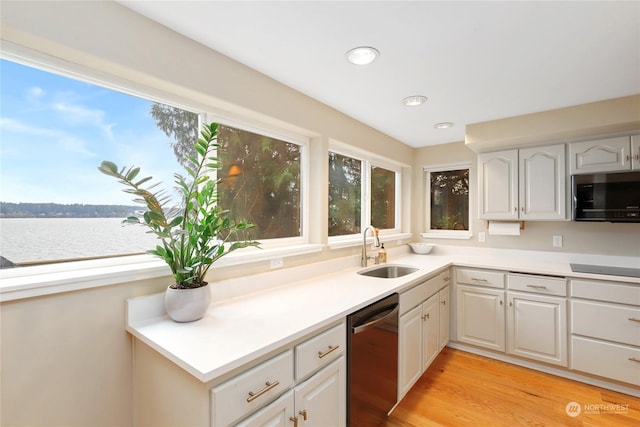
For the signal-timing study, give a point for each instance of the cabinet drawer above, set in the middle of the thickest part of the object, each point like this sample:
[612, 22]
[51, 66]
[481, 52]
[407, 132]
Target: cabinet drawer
[492, 279]
[538, 284]
[605, 291]
[418, 294]
[615, 361]
[318, 351]
[606, 321]
[252, 389]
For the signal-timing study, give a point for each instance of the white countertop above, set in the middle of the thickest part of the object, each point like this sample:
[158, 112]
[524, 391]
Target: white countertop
[254, 315]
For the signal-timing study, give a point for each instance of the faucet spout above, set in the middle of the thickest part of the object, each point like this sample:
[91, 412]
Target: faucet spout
[364, 258]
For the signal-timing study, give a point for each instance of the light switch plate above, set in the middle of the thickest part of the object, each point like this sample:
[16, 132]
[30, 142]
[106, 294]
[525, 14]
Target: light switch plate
[276, 263]
[557, 241]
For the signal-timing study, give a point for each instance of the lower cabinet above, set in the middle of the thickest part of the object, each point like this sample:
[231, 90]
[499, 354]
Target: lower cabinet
[480, 316]
[318, 402]
[537, 327]
[423, 330]
[303, 386]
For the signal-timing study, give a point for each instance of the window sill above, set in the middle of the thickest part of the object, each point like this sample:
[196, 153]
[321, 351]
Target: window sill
[357, 240]
[28, 282]
[459, 235]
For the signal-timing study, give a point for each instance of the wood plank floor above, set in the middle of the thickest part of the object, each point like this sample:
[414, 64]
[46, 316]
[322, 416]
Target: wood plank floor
[463, 389]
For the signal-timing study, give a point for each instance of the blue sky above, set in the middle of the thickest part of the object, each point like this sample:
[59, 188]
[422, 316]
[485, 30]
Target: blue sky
[55, 132]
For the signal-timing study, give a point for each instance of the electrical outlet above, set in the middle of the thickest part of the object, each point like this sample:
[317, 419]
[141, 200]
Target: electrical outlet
[557, 241]
[482, 237]
[276, 263]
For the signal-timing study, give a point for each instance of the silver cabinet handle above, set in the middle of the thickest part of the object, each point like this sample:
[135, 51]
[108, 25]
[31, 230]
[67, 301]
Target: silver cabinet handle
[323, 354]
[536, 286]
[633, 319]
[443, 302]
[479, 280]
[268, 386]
[304, 414]
[294, 420]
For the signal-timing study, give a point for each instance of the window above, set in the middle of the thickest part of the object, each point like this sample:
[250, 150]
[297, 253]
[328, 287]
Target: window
[56, 206]
[361, 192]
[448, 202]
[55, 132]
[261, 182]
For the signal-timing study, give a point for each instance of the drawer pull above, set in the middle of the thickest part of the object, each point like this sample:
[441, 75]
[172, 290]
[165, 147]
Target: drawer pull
[321, 354]
[294, 420]
[268, 386]
[304, 414]
[633, 359]
[443, 302]
[536, 286]
[479, 280]
[633, 319]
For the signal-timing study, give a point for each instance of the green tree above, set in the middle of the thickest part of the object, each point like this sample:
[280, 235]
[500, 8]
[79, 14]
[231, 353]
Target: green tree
[344, 195]
[259, 178]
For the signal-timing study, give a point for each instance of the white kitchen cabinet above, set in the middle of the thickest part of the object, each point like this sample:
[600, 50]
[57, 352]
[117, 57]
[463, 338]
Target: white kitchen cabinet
[409, 350]
[318, 402]
[480, 316]
[537, 327]
[525, 184]
[430, 330]
[443, 319]
[605, 329]
[605, 155]
[419, 340]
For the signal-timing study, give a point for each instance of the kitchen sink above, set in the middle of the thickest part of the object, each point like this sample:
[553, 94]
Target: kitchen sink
[390, 271]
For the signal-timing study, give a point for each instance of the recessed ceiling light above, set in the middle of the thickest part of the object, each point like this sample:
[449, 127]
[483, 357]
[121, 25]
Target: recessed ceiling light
[362, 55]
[443, 125]
[412, 101]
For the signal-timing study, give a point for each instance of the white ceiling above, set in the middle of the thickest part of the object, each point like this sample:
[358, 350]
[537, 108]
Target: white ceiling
[474, 61]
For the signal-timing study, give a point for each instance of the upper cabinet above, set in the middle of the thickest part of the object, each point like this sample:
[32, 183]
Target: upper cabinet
[605, 155]
[525, 184]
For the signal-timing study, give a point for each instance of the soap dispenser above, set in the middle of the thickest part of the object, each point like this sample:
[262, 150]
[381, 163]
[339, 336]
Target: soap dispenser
[382, 254]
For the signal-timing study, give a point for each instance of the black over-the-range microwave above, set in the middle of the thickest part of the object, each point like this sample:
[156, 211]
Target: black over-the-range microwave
[613, 197]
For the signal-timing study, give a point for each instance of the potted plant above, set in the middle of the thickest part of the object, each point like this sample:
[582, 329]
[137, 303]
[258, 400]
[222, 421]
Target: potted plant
[193, 235]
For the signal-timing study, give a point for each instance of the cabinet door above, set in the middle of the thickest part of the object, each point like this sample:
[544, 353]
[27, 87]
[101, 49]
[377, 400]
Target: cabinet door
[409, 350]
[444, 317]
[430, 330]
[498, 185]
[537, 327]
[604, 155]
[542, 183]
[321, 400]
[480, 317]
[276, 414]
[635, 152]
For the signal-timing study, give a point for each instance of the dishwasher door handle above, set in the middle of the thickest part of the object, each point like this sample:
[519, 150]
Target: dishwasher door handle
[377, 317]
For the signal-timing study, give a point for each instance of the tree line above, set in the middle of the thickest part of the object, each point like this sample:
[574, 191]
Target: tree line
[56, 210]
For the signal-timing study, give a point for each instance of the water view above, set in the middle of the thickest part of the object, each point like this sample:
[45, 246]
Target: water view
[44, 239]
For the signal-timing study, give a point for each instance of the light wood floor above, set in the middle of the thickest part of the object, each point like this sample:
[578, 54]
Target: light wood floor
[462, 389]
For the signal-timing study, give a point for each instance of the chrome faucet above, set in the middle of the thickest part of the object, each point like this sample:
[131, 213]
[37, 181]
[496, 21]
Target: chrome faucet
[364, 258]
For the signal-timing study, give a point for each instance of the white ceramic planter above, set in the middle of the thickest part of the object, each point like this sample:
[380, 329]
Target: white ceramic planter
[187, 305]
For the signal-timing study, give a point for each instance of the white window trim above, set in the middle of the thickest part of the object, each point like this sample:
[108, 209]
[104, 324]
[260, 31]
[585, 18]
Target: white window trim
[303, 142]
[445, 234]
[46, 279]
[369, 160]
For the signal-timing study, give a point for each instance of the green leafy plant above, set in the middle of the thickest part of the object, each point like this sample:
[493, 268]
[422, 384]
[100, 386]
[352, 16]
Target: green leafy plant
[196, 234]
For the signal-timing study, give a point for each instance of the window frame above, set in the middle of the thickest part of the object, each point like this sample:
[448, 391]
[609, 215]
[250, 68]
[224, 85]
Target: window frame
[292, 138]
[78, 274]
[446, 234]
[368, 160]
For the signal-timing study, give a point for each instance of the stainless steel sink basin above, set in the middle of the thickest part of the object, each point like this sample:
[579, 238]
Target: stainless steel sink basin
[390, 271]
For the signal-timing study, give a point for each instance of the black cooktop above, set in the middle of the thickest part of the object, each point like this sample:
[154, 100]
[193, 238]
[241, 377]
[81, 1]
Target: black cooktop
[603, 269]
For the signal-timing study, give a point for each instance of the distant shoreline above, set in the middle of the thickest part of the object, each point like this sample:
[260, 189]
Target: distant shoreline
[57, 210]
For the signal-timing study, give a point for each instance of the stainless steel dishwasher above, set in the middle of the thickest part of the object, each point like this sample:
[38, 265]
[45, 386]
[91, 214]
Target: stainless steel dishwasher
[372, 362]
